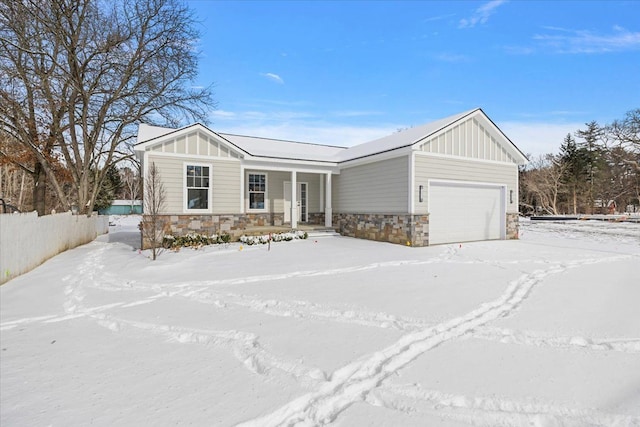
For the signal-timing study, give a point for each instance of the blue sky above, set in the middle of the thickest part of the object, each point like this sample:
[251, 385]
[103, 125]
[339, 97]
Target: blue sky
[342, 73]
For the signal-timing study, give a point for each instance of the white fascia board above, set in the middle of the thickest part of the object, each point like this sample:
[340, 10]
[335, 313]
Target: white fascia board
[288, 166]
[146, 145]
[498, 135]
[197, 157]
[488, 124]
[400, 152]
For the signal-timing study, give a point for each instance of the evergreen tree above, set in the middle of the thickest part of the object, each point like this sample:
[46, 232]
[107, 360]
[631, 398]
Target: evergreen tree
[590, 152]
[574, 170]
[110, 188]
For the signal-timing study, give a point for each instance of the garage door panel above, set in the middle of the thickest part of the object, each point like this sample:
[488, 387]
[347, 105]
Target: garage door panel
[465, 212]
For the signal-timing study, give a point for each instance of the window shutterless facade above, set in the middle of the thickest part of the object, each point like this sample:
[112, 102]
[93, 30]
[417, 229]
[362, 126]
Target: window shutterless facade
[257, 190]
[198, 185]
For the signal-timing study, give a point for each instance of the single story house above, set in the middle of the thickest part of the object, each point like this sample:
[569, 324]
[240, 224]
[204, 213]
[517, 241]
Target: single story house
[451, 180]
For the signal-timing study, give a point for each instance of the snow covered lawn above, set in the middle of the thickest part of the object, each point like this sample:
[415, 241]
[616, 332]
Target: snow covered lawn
[541, 331]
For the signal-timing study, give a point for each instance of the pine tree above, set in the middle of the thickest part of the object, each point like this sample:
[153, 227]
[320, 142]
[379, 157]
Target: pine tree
[590, 152]
[574, 169]
[109, 189]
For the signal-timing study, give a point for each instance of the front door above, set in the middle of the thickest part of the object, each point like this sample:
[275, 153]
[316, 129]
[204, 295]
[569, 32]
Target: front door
[301, 197]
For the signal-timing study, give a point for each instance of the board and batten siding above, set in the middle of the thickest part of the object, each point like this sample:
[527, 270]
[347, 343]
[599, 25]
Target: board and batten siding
[196, 144]
[473, 138]
[225, 182]
[379, 187]
[459, 169]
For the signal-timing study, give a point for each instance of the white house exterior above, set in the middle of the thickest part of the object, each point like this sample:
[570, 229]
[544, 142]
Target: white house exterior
[451, 180]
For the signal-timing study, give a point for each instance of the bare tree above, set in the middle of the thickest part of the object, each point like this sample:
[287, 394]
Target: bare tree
[131, 185]
[626, 134]
[154, 199]
[78, 76]
[542, 184]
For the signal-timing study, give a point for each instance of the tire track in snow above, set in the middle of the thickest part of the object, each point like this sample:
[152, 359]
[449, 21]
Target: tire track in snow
[312, 311]
[307, 310]
[316, 312]
[173, 288]
[347, 385]
[492, 411]
[245, 346]
[626, 345]
[353, 382]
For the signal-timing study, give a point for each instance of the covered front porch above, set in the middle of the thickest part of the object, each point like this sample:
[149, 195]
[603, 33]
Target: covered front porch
[289, 199]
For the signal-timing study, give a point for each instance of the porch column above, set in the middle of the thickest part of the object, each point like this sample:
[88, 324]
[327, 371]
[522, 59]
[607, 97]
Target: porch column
[321, 195]
[328, 212]
[294, 200]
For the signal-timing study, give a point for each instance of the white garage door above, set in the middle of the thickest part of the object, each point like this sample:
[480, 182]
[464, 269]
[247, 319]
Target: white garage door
[465, 212]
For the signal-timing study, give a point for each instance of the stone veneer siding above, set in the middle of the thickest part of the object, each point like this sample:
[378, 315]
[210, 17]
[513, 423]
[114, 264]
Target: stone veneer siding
[233, 224]
[410, 230]
[513, 225]
[315, 218]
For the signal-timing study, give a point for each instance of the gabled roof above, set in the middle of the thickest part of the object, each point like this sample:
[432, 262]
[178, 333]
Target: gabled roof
[293, 150]
[415, 135]
[401, 139]
[281, 149]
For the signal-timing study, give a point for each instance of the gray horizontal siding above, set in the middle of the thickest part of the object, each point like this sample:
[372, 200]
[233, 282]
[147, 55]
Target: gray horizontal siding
[379, 187]
[313, 190]
[225, 183]
[226, 187]
[428, 167]
[171, 175]
[275, 189]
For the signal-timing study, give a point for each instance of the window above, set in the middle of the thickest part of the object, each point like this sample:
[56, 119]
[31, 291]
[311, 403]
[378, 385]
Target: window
[197, 187]
[257, 190]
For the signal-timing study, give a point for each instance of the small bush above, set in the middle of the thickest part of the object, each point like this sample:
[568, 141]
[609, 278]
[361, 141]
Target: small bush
[194, 240]
[279, 237]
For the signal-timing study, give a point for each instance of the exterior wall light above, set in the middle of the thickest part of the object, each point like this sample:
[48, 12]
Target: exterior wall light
[420, 198]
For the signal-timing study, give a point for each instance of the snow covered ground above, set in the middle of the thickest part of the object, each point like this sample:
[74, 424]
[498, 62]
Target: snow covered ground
[543, 331]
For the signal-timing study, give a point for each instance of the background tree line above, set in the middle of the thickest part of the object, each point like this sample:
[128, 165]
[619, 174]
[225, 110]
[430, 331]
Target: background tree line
[16, 186]
[596, 171]
[77, 77]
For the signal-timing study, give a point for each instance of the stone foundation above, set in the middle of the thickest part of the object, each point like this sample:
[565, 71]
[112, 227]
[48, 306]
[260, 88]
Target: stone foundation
[234, 225]
[410, 230]
[315, 218]
[403, 229]
[512, 226]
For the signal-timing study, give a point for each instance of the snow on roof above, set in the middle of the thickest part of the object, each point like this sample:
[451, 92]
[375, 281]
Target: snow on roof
[400, 139]
[147, 132]
[281, 149]
[294, 150]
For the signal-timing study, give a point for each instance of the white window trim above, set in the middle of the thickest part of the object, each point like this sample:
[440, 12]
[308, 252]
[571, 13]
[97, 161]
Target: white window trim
[185, 191]
[266, 191]
[287, 184]
[306, 202]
